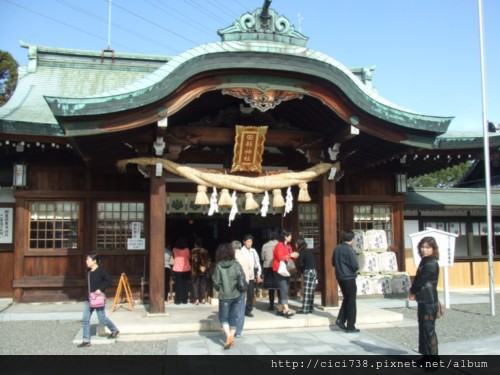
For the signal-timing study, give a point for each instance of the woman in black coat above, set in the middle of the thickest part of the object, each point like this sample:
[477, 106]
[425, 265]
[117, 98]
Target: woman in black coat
[424, 291]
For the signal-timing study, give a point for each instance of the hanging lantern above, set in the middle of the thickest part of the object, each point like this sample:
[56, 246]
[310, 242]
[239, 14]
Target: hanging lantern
[19, 176]
[401, 183]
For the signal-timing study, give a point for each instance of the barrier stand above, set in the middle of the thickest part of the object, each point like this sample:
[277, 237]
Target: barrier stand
[123, 294]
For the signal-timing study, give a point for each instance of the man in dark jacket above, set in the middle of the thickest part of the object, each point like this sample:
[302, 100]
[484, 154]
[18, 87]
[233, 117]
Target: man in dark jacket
[346, 267]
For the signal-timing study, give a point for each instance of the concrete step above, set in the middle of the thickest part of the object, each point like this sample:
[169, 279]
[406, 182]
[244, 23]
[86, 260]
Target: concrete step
[204, 318]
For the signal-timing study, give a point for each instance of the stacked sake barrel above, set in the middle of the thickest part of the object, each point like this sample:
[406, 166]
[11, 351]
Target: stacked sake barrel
[378, 267]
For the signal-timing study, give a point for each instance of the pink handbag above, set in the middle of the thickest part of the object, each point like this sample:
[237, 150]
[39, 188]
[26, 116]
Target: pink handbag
[96, 301]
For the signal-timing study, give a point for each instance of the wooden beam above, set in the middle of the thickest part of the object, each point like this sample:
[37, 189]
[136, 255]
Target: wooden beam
[225, 136]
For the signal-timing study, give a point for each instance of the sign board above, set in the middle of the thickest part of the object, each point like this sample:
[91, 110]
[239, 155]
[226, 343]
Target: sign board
[136, 229]
[309, 242]
[6, 224]
[445, 241]
[136, 244]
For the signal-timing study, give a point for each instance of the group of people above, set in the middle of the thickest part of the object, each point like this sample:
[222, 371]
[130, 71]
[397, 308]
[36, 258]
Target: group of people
[236, 259]
[187, 266]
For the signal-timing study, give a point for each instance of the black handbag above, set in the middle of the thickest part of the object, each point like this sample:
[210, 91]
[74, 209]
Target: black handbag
[426, 294]
[241, 281]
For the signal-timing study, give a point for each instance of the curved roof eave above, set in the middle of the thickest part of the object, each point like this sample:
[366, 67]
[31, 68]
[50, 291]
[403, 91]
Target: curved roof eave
[465, 140]
[262, 55]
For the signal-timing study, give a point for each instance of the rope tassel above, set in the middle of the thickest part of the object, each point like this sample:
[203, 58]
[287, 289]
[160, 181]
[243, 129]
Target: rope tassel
[225, 199]
[303, 193]
[201, 196]
[278, 200]
[250, 203]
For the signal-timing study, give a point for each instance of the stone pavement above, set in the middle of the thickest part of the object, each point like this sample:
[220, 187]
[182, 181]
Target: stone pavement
[195, 330]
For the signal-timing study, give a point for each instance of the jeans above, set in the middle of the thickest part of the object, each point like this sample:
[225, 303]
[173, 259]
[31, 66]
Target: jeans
[241, 314]
[284, 287]
[228, 311]
[101, 315]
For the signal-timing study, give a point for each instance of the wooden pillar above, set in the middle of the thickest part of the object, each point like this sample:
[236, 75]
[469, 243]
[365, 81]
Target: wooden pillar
[157, 243]
[20, 243]
[329, 293]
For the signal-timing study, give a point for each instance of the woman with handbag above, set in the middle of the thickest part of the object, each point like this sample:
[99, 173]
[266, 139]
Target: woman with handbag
[98, 280]
[282, 254]
[230, 281]
[424, 291]
[200, 264]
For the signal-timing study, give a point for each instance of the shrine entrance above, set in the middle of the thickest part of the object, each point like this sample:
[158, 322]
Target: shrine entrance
[214, 230]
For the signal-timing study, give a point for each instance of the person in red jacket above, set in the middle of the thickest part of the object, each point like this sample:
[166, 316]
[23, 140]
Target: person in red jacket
[283, 252]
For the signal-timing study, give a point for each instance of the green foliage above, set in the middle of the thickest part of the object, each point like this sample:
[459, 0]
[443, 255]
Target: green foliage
[8, 76]
[441, 179]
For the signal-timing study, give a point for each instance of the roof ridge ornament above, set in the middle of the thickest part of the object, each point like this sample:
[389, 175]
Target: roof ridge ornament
[263, 24]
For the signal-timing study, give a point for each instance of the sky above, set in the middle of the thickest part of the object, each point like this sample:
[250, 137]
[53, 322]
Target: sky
[426, 53]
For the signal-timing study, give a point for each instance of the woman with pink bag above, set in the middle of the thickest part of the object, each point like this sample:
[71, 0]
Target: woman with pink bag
[98, 281]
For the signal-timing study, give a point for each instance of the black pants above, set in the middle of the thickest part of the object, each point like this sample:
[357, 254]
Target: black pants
[199, 287]
[271, 297]
[347, 312]
[250, 294]
[427, 338]
[182, 286]
[168, 275]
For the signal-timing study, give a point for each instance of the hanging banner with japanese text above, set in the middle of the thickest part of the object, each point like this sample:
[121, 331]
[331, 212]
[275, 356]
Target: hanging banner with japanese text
[6, 225]
[248, 148]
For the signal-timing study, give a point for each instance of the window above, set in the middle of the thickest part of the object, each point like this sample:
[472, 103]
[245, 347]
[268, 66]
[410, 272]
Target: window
[115, 223]
[455, 227]
[480, 239]
[54, 225]
[309, 222]
[471, 241]
[374, 217]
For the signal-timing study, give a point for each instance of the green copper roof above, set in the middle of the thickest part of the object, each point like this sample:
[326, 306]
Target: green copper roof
[263, 24]
[66, 73]
[435, 198]
[255, 55]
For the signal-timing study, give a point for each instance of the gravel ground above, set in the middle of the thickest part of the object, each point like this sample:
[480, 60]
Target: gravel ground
[459, 323]
[56, 338]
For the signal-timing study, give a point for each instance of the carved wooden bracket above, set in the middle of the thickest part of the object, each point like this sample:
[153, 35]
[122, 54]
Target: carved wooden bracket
[262, 99]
